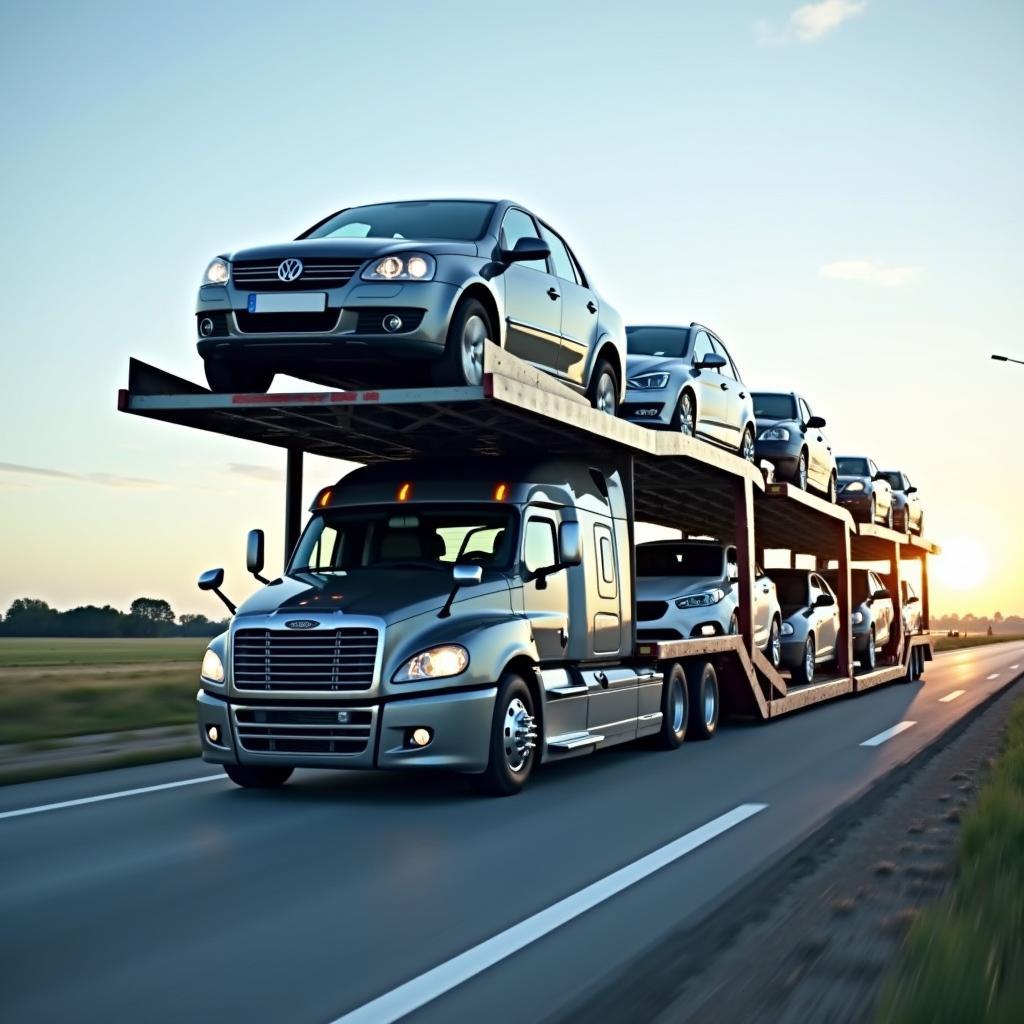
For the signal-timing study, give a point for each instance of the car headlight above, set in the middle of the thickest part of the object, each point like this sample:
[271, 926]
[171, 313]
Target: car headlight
[854, 485]
[774, 434]
[648, 381]
[702, 600]
[213, 667]
[858, 618]
[787, 629]
[436, 663]
[218, 272]
[409, 266]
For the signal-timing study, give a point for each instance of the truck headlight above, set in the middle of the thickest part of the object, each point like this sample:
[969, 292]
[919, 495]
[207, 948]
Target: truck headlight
[787, 629]
[702, 600]
[213, 667]
[853, 486]
[410, 266]
[774, 434]
[648, 382]
[218, 272]
[858, 618]
[436, 663]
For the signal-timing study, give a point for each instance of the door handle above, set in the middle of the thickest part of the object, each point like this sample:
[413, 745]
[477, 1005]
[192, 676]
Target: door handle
[743, 394]
[724, 386]
[552, 294]
[591, 306]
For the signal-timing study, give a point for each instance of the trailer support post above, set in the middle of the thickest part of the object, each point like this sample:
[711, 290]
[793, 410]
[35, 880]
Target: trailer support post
[926, 623]
[744, 513]
[292, 501]
[894, 584]
[844, 646]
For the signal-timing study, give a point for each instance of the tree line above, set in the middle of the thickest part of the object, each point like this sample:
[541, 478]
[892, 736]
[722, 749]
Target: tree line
[147, 616]
[1000, 624]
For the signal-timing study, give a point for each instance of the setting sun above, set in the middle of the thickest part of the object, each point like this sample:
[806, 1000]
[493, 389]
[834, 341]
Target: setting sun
[963, 564]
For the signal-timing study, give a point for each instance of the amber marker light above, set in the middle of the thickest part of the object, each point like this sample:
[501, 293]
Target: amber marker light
[324, 499]
[404, 492]
[500, 492]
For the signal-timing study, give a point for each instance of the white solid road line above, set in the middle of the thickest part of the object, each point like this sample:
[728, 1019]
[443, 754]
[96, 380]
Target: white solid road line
[1013, 668]
[877, 741]
[951, 696]
[995, 675]
[427, 987]
[109, 796]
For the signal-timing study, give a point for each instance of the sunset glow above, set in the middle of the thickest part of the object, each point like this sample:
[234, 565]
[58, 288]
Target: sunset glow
[963, 564]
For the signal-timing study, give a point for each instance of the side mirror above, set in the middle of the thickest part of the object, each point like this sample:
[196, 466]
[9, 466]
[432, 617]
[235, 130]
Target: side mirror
[912, 600]
[570, 544]
[212, 580]
[712, 361]
[254, 545]
[824, 601]
[911, 489]
[463, 575]
[527, 249]
[880, 595]
[816, 423]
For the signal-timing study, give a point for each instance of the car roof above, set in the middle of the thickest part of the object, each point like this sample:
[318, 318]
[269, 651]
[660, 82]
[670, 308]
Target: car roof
[660, 327]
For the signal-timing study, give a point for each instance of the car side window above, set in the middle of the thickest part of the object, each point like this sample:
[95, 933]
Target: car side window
[731, 567]
[872, 469]
[758, 572]
[701, 347]
[519, 224]
[540, 546]
[580, 276]
[560, 258]
[728, 370]
[805, 412]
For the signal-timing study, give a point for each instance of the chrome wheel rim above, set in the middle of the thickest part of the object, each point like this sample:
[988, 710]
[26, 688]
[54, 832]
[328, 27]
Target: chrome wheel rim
[678, 706]
[809, 660]
[734, 626]
[519, 735]
[710, 703]
[776, 645]
[747, 448]
[801, 474]
[604, 395]
[832, 489]
[474, 333]
[686, 426]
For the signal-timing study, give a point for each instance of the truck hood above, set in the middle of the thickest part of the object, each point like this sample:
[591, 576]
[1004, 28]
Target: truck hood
[665, 588]
[389, 594]
[635, 365]
[351, 249]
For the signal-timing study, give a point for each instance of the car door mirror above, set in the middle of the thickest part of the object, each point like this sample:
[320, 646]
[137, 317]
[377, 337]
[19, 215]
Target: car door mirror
[911, 489]
[824, 601]
[912, 600]
[816, 423]
[570, 544]
[527, 249]
[880, 595]
[712, 361]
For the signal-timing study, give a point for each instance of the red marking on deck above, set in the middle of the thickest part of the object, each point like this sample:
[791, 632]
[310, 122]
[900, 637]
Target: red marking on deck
[289, 399]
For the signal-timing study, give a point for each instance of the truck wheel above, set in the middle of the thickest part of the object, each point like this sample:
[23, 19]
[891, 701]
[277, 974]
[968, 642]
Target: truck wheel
[920, 662]
[603, 390]
[463, 361]
[804, 672]
[513, 739]
[704, 700]
[675, 708]
[226, 377]
[257, 776]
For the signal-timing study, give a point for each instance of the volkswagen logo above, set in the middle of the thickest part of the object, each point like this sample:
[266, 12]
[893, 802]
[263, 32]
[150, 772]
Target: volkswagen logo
[289, 270]
[301, 624]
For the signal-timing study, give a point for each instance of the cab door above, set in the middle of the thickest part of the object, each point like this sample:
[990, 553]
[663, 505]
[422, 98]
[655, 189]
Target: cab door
[545, 599]
[533, 297]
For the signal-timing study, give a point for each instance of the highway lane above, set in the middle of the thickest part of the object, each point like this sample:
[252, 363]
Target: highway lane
[310, 903]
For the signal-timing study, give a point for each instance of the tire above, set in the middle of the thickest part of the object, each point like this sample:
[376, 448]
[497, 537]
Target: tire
[251, 776]
[774, 648]
[513, 750]
[705, 700]
[920, 662]
[675, 708]
[747, 450]
[872, 512]
[920, 525]
[734, 625]
[684, 421]
[890, 519]
[462, 364]
[870, 660]
[226, 377]
[603, 390]
[913, 666]
[832, 492]
[804, 672]
[801, 471]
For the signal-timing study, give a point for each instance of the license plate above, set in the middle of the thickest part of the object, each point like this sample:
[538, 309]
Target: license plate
[298, 302]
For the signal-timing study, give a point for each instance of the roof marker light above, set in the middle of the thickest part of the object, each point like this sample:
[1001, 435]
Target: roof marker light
[324, 499]
[404, 492]
[500, 492]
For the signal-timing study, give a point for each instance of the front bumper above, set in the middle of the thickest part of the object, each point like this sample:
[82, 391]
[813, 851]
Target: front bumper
[652, 407]
[858, 504]
[687, 623]
[783, 455]
[311, 735]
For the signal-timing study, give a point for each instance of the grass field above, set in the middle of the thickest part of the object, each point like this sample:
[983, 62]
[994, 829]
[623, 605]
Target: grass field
[956, 643]
[52, 688]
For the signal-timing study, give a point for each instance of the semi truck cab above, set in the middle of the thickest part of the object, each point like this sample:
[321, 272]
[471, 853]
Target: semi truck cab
[474, 615]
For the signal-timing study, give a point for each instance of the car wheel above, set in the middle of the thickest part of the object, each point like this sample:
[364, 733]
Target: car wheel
[872, 512]
[890, 519]
[604, 388]
[675, 708]
[734, 624]
[705, 702]
[804, 672]
[832, 489]
[463, 361]
[685, 418]
[920, 525]
[870, 656]
[257, 776]
[225, 377]
[774, 649]
[801, 472]
[746, 449]
[513, 739]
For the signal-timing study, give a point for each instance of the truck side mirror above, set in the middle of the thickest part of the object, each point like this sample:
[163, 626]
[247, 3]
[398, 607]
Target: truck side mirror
[463, 575]
[570, 544]
[212, 580]
[254, 545]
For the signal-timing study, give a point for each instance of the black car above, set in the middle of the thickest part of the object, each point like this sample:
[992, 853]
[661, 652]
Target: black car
[791, 438]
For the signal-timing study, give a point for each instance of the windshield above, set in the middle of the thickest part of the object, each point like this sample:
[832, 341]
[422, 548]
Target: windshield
[895, 480]
[657, 341]
[852, 467]
[446, 220]
[679, 560]
[791, 590]
[774, 407]
[398, 536]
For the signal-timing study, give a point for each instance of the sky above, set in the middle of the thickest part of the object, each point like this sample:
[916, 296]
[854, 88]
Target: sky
[833, 187]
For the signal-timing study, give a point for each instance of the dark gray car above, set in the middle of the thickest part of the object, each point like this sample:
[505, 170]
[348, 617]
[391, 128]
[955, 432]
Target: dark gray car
[683, 378]
[872, 617]
[792, 439]
[907, 508]
[863, 490]
[402, 293]
[810, 621]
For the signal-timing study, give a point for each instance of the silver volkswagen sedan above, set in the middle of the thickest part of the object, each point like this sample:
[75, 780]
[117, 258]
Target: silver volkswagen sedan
[402, 294]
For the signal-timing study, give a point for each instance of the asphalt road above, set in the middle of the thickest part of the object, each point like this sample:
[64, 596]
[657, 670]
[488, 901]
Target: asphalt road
[366, 897]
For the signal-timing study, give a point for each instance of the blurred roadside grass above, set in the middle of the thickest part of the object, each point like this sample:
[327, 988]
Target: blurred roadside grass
[964, 957]
[955, 643]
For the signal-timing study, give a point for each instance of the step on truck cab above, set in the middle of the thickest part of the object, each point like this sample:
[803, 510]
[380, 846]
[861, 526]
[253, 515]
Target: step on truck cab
[473, 615]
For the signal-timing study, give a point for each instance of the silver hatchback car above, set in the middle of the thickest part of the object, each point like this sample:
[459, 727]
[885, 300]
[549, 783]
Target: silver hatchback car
[405, 294]
[683, 378]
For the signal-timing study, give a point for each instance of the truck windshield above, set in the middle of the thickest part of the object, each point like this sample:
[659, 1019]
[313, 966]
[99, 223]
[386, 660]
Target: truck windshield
[774, 407]
[852, 467]
[671, 342]
[400, 536]
[452, 221]
[679, 560]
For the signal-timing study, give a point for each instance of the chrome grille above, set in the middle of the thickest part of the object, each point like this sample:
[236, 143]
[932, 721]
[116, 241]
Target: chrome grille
[327, 660]
[317, 272]
[273, 730]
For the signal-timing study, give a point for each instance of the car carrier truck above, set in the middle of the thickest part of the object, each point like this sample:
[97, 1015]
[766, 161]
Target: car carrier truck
[466, 600]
